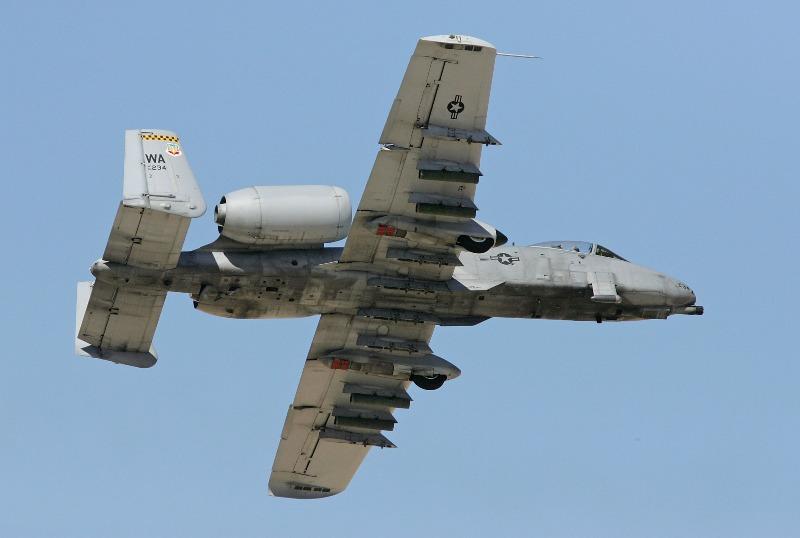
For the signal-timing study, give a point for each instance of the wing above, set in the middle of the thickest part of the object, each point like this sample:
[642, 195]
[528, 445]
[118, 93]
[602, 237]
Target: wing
[355, 376]
[418, 206]
[416, 212]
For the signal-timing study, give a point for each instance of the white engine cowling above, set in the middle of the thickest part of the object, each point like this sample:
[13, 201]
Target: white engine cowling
[290, 214]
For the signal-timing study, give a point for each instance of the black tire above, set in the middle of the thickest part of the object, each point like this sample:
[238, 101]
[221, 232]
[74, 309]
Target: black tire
[478, 246]
[429, 383]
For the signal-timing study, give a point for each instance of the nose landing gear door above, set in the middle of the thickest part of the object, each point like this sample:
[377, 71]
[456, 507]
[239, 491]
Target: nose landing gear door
[604, 287]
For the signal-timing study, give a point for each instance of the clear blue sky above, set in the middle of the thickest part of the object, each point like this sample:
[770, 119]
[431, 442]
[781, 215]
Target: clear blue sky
[669, 132]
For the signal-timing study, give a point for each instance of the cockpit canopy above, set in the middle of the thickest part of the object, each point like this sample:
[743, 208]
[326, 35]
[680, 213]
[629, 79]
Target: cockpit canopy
[581, 247]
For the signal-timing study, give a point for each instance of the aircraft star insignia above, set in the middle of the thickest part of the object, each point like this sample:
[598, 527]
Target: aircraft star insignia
[455, 107]
[505, 258]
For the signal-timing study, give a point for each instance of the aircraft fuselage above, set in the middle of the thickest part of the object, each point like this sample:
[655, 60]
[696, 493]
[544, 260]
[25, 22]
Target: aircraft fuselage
[506, 281]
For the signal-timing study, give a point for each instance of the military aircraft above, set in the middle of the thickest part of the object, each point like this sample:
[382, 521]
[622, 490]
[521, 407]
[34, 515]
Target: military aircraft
[414, 257]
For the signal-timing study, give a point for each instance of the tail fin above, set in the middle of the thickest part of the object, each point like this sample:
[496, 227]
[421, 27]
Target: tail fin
[160, 197]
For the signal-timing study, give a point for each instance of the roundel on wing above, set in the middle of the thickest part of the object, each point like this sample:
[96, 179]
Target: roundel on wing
[455, 107]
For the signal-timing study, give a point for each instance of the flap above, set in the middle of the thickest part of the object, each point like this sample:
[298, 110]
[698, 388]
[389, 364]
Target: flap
[471, 136]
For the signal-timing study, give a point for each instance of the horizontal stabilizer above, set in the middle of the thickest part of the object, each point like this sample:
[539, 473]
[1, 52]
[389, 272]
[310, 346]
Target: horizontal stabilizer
[116, 325]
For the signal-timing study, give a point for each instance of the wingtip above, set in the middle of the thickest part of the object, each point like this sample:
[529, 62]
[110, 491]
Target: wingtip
[292, 490]
[459, 39]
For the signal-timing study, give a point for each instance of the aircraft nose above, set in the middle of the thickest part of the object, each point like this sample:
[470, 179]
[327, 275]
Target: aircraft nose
[678, 293]
[692, 298]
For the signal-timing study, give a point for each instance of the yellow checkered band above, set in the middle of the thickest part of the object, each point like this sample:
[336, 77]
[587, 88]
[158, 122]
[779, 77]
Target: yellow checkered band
[165, 138]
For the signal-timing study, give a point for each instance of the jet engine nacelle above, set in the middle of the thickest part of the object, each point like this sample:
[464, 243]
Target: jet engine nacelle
[291, 214]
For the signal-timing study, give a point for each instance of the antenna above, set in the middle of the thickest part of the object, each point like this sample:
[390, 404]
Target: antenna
[529, 56]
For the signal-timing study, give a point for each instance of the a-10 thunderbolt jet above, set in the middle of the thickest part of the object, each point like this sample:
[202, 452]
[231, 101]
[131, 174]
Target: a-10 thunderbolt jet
[415, 257]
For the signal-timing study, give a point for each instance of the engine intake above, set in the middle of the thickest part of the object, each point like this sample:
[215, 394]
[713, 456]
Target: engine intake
[291, 214]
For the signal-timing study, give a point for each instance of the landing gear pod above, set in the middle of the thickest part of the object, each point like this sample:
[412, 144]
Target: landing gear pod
[472, 235]
[477, 245]
[427, 371]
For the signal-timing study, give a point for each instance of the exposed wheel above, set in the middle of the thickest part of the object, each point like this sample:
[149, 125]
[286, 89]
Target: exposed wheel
[477, 245]
[429, 383]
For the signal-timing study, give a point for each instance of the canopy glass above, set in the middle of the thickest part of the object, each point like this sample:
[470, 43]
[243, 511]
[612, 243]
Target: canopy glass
[581, 247]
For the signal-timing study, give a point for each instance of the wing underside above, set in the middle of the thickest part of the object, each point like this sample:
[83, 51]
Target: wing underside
[419, 198]
[354, 378]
